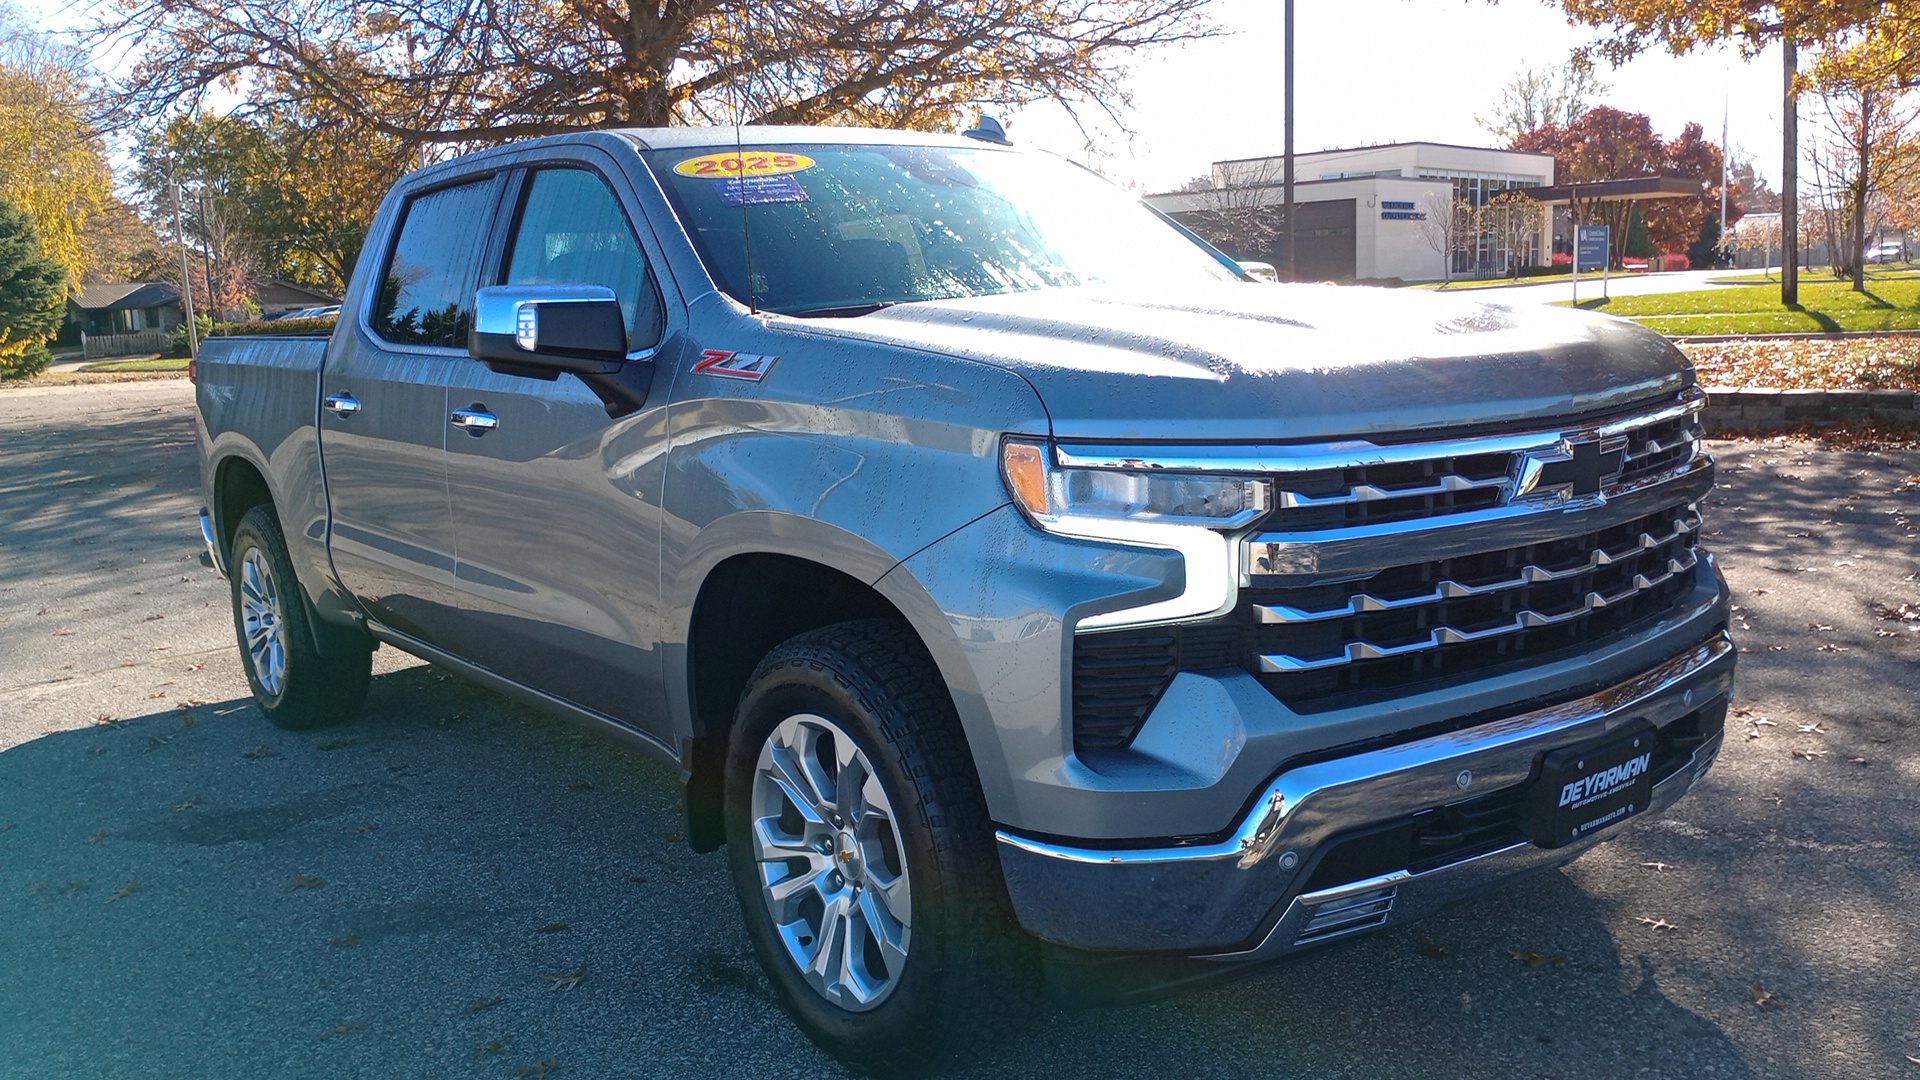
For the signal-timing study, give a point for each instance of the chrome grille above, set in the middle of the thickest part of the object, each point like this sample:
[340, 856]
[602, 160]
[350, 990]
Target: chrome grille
[1409, 625]
[1342, 486]
[1671, 557]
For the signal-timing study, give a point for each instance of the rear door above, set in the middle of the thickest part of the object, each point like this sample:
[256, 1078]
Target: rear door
[556, 506]
[383, 416]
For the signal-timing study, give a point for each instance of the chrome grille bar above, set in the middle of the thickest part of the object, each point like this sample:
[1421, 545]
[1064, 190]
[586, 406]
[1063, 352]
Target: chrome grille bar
[1352, 453]
[1528, 619]
[1444, 484]
[1448, 589]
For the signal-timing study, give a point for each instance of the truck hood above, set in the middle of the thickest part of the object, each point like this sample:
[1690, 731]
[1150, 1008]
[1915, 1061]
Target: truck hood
[1272, 362]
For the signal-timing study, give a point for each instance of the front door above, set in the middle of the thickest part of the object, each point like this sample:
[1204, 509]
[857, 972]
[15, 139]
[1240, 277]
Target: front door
[383, 416]
[555, 505]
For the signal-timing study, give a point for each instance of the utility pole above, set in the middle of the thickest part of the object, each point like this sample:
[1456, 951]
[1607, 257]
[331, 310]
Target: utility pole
[1286, 183]
[1723, 243]
[206, 249]
[186, 272]
[1789, 191]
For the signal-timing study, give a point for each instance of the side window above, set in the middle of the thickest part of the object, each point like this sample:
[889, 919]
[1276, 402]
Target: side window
[426, 288]
[573, 232]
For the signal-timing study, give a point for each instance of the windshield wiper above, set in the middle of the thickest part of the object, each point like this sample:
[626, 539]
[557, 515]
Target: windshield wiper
[843, 311]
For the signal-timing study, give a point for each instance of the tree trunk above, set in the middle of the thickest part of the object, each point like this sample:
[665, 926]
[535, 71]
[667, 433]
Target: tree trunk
[1858, 256]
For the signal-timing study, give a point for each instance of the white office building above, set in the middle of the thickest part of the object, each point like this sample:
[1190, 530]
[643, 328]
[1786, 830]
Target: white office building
[1363, 214]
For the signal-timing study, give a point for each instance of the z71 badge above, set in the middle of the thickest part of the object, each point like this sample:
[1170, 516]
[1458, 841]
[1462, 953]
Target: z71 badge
[735, 365]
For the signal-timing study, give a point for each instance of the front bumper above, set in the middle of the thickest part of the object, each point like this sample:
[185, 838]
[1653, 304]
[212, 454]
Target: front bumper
[1246, 898]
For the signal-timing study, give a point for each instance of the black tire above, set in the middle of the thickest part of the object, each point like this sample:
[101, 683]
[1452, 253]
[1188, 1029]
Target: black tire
[970, 976]
[306, 688]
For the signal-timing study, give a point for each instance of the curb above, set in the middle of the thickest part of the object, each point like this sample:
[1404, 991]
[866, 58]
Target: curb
[1748, 409]
[1807, 335]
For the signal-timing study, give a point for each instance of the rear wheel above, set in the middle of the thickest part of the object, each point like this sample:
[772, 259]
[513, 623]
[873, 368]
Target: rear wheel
[293, 682]
[863, 855]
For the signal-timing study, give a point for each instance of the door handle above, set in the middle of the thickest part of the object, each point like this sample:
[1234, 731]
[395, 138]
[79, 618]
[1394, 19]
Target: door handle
[475, 419]
[342, 405]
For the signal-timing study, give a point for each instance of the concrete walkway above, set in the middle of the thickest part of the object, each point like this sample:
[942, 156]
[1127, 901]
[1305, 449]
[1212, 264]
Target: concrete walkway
[1559, 289]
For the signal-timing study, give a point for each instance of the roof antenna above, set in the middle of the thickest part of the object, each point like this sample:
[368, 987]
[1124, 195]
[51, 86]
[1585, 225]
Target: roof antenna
[740, 170]
[987, 129]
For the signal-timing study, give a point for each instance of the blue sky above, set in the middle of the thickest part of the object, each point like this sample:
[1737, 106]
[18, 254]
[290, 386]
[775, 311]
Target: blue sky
[1369, 71]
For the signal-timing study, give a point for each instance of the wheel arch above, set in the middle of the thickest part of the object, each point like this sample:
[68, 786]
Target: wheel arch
[747, 604]
[239, 485]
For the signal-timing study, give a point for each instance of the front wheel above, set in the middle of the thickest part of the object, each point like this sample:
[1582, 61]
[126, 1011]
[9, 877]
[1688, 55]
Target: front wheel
[293, 682]
[863, 855]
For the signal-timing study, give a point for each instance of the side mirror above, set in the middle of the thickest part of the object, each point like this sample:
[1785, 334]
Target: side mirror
[1259, 271]
[544, 330]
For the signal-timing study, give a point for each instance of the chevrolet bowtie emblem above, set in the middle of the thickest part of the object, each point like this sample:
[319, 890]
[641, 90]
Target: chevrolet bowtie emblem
[1572, 470]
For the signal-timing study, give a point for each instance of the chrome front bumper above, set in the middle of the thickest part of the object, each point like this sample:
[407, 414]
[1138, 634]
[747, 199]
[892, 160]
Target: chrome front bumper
[1241, 899]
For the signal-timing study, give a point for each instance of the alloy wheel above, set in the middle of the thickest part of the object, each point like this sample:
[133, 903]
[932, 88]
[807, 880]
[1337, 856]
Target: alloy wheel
[263, 621]
[833, 870]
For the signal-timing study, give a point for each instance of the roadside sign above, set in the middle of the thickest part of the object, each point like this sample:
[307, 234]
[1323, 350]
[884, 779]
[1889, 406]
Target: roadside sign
[1590, 247]
[1589, 253]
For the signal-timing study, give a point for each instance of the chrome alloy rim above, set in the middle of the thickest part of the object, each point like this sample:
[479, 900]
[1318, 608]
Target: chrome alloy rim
[833, 871]
[262, 622]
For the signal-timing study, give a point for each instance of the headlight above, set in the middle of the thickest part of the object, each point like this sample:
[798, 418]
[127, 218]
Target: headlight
[1191, 513]
[1050, 494]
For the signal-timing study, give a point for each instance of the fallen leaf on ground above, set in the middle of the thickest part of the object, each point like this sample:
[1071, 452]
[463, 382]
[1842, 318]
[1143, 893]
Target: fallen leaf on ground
[1659, 866]
[302, 881]
[348, 939]
[337, 744]
[1433, 951]
[553, 926]
[1658, 924]
[341, 1027]
[189, 804]
[566, 981]
[1534, 959]
[124, 891]
[484, 1004]
[497, 1046]
[261, 751]
[540, 1069]
[1765, 999]
[1813, 728]
[1808, 754]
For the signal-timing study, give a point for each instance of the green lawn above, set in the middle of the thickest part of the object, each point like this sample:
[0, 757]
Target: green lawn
[140, 363]
[1888, 304]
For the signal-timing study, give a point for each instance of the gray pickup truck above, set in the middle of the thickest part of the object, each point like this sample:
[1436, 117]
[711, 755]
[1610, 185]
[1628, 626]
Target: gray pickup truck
[1024, 593]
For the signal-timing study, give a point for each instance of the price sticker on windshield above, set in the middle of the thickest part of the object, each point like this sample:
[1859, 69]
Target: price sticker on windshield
[750, 163]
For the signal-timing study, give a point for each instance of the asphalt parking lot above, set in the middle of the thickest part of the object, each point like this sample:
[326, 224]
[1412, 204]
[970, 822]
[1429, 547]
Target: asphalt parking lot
[454, 886]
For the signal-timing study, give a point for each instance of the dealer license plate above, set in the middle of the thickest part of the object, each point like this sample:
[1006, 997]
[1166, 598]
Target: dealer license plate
[1585, 788]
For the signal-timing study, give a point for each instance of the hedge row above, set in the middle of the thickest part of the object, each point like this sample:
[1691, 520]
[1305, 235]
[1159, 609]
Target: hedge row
[264, 327]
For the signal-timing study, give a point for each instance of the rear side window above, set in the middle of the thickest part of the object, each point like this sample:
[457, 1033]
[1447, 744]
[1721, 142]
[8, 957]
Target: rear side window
[426, 288]
[572, 232]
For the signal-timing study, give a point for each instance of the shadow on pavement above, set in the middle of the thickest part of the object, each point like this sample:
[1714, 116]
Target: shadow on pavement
[453, 886]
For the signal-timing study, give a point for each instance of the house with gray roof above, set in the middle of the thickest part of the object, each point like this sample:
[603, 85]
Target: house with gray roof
[124, 318]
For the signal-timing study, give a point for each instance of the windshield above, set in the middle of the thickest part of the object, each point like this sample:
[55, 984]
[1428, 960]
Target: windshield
[842, 230]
